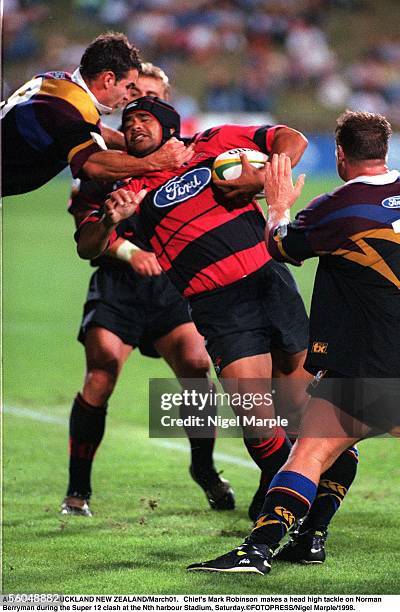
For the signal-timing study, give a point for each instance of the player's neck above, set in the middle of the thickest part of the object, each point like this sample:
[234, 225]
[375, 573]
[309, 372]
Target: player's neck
[371, 168]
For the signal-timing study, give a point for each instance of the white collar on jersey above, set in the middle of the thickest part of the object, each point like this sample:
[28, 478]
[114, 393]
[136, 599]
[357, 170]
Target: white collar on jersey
[377, 179]
[79, 80]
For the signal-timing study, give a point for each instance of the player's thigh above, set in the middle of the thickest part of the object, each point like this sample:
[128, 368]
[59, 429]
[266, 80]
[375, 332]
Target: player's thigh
[286, 364]
[249, 367]
[290, 383]
[184, 350]
[105, 350]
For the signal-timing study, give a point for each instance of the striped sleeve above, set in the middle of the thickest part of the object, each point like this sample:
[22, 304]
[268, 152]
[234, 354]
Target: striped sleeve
[94, 216]
[68, 112]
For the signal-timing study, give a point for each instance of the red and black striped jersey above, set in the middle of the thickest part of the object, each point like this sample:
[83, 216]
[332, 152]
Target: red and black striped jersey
[202, 240]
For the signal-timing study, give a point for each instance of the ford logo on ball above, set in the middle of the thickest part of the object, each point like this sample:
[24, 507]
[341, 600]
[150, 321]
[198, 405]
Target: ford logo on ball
[182, 188]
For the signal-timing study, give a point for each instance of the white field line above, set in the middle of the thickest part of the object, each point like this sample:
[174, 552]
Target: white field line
[28, 413]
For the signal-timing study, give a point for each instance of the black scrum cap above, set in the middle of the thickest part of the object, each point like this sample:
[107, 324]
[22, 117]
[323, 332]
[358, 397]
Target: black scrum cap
[162, 111]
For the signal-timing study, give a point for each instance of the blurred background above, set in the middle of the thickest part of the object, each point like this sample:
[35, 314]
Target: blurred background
[301, 60]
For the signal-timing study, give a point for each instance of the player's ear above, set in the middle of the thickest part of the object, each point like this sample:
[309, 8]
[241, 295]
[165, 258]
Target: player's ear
[339, 153]
[108, 78]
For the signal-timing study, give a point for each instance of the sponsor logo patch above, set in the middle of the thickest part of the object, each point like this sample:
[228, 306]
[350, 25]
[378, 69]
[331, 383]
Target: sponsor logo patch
[320, 347]
[393, 202]
[182, 188]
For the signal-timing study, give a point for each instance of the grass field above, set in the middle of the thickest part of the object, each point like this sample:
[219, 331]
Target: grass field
[150, 519]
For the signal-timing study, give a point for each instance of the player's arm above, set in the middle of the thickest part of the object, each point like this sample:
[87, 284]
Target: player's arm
[279, 139]
[289, 141]
[114, 139]
[98, 231]
[285, 240]
[143, 262]
[114, 165]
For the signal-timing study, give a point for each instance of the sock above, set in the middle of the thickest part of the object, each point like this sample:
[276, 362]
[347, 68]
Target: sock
[86, 430]
[269, 454]
[333, 486]
[201, 449]
[289, 498]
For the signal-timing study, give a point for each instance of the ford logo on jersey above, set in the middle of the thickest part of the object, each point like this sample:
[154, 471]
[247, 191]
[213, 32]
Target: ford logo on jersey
[182, 188]
[393, 202]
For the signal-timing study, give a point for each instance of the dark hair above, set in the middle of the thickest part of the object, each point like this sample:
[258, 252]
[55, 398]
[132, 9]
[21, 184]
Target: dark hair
[363, 135]
[109, 51]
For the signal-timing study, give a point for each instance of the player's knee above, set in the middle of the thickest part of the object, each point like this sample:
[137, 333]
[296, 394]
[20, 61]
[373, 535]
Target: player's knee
[100, 383]
[321, 452]
[195, 362]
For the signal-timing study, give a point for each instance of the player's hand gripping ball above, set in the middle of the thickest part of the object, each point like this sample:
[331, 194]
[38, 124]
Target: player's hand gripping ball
[228, 165]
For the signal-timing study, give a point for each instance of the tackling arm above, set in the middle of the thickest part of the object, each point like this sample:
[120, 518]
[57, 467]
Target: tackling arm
[114, 139]
[114, 165]
[284, 241]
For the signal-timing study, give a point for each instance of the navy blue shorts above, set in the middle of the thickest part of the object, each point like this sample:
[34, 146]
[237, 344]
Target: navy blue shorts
[374, 402]
[261, 312]
[137, 309]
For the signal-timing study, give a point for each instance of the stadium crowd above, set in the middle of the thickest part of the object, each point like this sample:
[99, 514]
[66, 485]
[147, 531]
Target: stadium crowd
[265, 49]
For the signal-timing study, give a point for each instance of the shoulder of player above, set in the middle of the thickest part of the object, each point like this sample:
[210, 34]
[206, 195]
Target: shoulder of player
[59, 86]
[328, 206]
[223, 130]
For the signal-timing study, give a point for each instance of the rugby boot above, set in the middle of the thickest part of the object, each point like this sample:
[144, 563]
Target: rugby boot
[219, 492]
[75, 506]
[246, 558]
[307, 547]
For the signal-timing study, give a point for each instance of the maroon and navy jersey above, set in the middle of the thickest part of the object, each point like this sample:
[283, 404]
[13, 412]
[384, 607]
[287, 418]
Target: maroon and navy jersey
[355, 311]
[202, 240]
[49, 123]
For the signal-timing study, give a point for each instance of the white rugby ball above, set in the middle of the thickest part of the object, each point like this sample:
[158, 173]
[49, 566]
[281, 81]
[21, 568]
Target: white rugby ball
[228, 165]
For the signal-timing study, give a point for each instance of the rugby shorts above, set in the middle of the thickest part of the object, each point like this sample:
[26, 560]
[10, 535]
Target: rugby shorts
[137, 309]
[374, 402]
[259, 313]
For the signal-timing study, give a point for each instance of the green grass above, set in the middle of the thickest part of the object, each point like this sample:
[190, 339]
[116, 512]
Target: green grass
[150, 519]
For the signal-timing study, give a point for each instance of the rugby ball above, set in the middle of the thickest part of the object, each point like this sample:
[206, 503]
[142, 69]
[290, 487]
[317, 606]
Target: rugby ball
[228, 165]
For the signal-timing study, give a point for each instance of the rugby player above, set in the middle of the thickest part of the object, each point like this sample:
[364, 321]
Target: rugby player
[131, 304]
[355, 233]
[246, 305]
[54, 121]
[336, 481]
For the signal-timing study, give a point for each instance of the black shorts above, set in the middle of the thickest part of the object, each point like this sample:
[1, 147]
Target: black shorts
[255, 315]
[374, 402]
[137, 309]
